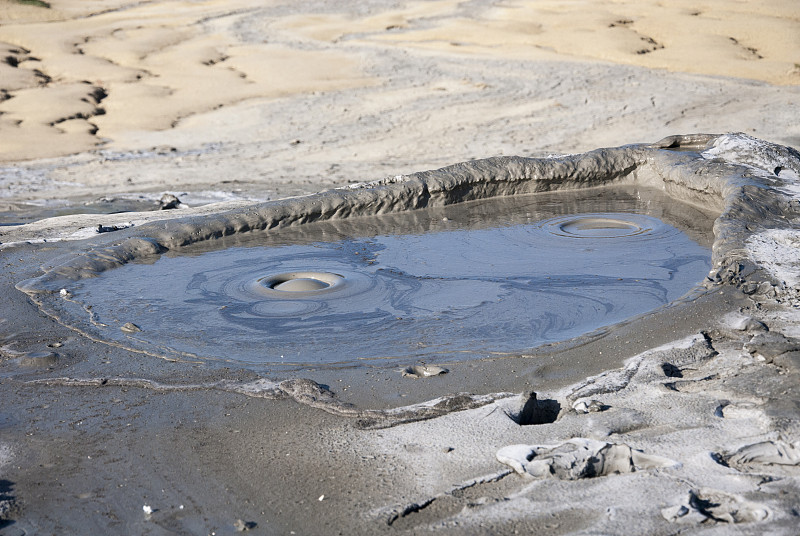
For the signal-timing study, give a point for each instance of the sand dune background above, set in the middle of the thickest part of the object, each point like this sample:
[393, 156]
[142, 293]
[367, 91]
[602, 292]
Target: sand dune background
[264, 99]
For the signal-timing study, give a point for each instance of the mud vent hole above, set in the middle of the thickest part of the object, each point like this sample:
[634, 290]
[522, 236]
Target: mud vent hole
[301, 284]
[302, 281]
[596, 227]
[535, 411]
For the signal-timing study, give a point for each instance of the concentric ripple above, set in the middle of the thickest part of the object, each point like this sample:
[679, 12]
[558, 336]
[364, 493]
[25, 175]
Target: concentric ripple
[443, 295]
[301, 283]
[595, 226]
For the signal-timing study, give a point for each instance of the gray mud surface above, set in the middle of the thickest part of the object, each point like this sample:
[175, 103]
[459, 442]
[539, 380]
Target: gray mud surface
[469, 281]
[691, 412]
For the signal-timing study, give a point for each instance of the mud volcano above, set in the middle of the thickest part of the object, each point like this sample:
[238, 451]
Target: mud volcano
[483, 259]
[473, 280]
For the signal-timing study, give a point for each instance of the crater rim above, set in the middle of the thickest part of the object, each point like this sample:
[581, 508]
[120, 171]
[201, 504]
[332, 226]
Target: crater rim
[301, 283]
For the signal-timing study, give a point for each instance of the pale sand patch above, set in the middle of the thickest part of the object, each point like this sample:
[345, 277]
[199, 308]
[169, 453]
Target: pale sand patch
[161, 62]
[12, 77]
[157, 63]
[20, 12]
[334, 26]
[250, 71]
[758, 41]
[13, 11]
[52, 104]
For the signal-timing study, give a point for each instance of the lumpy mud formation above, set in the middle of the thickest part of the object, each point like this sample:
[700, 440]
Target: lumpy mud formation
[481, 279]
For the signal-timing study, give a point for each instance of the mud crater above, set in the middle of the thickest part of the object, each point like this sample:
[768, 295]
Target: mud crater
[479, 279]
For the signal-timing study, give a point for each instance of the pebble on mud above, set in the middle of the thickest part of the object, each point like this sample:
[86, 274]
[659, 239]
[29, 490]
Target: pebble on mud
[130, 327]
[423, 371]
[39, 359]
[169, 202]
[243, 526]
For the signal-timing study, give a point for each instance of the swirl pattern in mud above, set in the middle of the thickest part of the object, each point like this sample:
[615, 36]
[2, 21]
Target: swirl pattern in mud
[452, 294]
[593, 226]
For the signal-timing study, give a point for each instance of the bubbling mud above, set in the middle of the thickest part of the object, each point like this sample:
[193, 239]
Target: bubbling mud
[485, 258]
[596, 227]
[300, 282]
[480, 279]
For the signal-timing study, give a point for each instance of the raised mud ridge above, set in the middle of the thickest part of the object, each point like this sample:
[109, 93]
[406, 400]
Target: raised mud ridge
[746, 180]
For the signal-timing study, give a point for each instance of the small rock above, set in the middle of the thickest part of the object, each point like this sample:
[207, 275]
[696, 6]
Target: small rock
[788, 361]
[766, 288]
[682, 514]
[708, 506]
[748, 324]
[423, 371]
[110, 228]
[750, 287]
[588, 406]
[577, 459]
[770, 345]
[243, 526]
[164, 149]
[130, 327]
[39, 359]
[169, 202]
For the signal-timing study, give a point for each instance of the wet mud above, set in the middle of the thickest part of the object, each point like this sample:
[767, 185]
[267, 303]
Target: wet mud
[486, 278]
[401, 268]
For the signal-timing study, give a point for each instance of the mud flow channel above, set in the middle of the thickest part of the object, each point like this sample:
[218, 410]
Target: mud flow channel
[462, 282]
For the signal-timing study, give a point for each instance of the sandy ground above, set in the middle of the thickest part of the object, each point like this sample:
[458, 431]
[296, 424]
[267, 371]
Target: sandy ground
[104, 106]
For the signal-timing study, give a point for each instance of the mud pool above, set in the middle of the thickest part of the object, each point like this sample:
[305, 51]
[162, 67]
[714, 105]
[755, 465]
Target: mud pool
[478, 279]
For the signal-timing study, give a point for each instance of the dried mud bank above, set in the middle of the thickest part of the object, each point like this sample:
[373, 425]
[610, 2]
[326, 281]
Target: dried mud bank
[680, 421]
